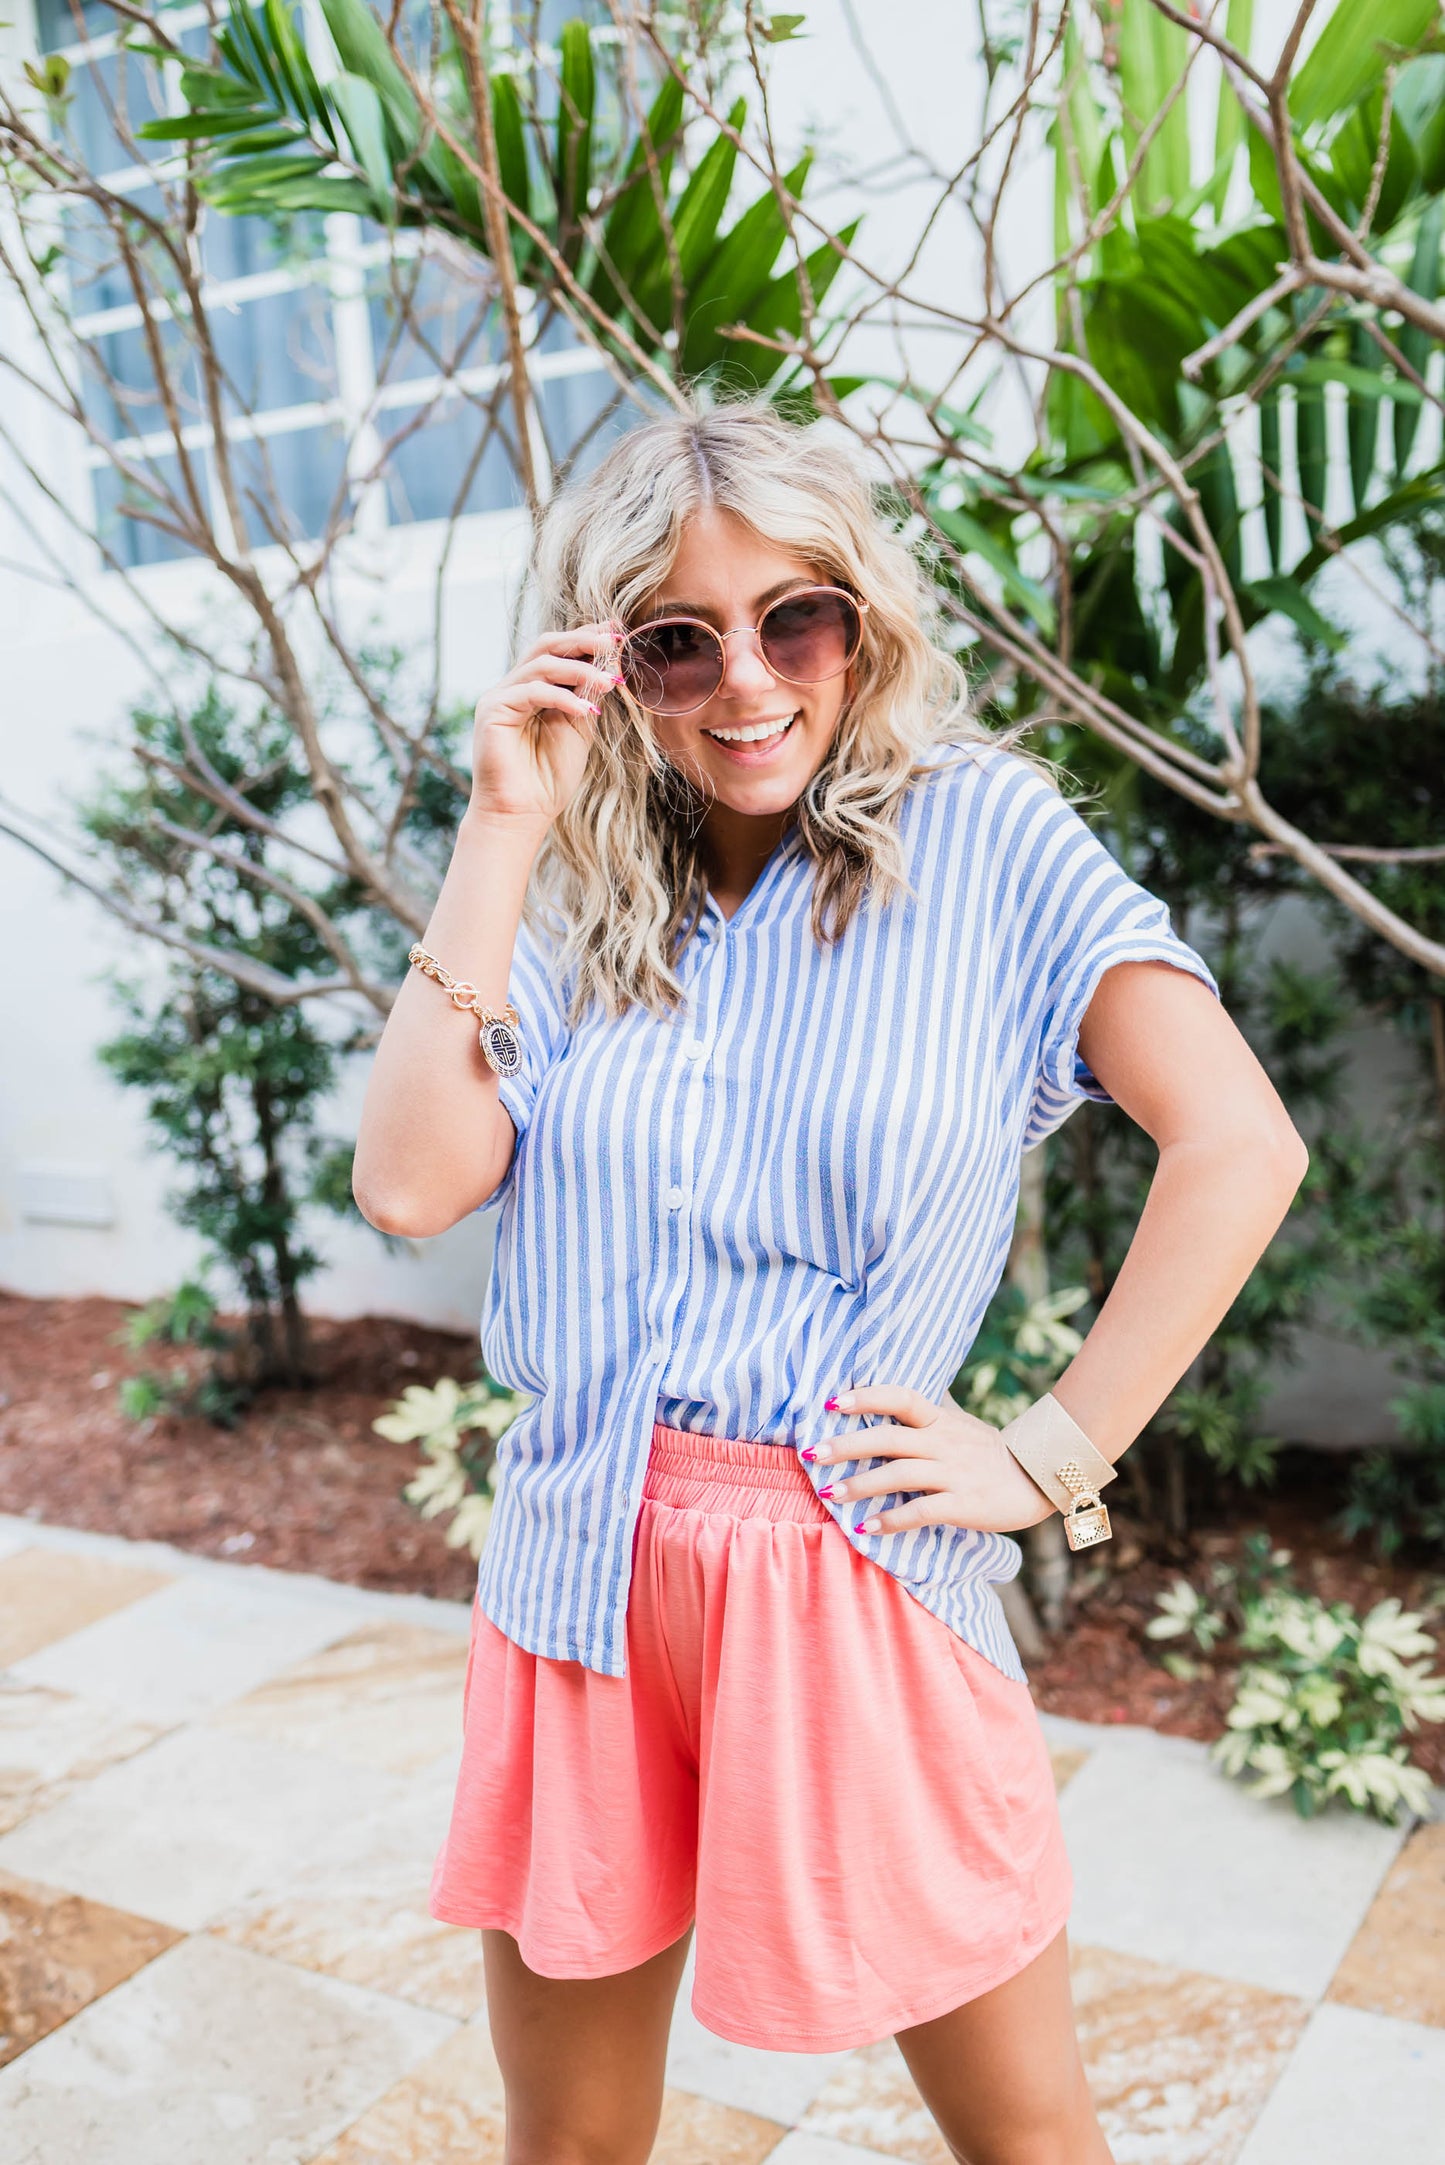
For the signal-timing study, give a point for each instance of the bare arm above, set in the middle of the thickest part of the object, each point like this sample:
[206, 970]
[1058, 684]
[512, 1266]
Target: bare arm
[1230, 1162]
[435, 1139]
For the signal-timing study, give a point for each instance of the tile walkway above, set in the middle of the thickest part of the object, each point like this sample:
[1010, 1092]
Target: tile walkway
[221, 1792]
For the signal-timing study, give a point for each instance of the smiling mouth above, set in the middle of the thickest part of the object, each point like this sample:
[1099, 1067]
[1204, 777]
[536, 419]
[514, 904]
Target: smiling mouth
[754, 732]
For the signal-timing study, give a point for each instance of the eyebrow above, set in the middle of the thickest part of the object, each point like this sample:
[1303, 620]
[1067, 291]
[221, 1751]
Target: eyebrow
[760, 602]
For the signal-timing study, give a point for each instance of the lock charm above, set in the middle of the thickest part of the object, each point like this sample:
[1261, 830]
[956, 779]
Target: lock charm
[1086, 1522]
[1087, 1519]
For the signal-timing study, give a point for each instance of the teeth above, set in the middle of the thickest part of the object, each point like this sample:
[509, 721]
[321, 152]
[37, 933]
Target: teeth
[754, 735]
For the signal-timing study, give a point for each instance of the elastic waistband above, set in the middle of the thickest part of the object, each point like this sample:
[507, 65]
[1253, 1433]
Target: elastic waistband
[693, 1471]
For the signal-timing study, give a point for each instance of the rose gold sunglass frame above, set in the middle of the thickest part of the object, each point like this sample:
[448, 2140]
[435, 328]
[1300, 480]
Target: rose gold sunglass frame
[803, 593]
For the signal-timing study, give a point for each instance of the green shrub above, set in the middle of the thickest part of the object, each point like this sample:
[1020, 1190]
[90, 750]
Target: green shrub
[1398, 1495]
[1320, 1710]
[186, 1317]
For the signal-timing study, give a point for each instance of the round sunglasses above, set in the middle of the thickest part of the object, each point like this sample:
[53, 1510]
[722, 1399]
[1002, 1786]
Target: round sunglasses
[677, 663]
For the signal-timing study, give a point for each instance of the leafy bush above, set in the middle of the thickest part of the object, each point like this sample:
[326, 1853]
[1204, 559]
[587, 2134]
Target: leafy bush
[234, 1066]
[457, 1426]
[232, 1080]
[1319, 1712]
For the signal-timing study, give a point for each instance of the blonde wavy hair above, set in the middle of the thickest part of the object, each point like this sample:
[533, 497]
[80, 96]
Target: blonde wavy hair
[621, 864]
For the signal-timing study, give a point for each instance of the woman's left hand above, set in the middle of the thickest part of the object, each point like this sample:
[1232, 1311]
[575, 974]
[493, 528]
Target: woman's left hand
[966, 1472]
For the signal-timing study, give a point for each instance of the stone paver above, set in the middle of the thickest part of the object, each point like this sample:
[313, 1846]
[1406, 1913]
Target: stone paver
[1183, 1868]
[209, 2052]
[1359, 2087]
[222, 1789]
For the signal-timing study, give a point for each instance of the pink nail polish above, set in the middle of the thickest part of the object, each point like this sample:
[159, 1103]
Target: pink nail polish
[827, 1490]
[860, 1528]
[807, 1451]
[830, 1405]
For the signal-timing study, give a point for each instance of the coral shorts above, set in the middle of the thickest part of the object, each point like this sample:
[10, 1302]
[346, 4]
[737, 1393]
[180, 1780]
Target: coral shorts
[855, 1806]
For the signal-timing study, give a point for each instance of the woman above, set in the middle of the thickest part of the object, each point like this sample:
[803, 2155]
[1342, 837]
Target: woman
[801, 959]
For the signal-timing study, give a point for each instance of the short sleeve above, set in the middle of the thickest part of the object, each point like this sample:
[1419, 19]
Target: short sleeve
[536, 989]
[1078, 912]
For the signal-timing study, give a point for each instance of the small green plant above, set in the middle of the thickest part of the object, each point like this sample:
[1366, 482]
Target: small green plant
[1320, 1710]
[457, 1426]
[1021, 1349]
[186, 1317]
[1207, 1617]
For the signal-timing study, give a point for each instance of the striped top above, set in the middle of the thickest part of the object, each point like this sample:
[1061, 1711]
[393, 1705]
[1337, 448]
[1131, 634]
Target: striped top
[804, 1179]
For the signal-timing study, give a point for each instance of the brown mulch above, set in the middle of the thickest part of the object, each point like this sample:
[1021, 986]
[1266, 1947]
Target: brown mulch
[304, 1484]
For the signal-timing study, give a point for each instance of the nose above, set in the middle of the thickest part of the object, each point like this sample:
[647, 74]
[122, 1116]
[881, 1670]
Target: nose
[745, 673]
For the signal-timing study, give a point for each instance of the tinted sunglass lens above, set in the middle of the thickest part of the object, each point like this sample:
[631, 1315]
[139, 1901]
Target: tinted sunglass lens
[670, 668]
[809, 637]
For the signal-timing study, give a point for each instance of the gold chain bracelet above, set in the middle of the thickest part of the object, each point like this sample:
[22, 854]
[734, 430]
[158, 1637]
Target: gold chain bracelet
[498, 1033]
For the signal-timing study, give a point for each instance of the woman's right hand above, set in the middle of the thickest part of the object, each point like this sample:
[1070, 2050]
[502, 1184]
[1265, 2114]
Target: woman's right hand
[532, 773]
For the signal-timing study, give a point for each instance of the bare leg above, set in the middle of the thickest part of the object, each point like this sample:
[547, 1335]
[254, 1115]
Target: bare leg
[1002, 2074]
[582, 2059]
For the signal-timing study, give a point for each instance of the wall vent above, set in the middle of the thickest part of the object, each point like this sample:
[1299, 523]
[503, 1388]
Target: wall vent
[64, 1195]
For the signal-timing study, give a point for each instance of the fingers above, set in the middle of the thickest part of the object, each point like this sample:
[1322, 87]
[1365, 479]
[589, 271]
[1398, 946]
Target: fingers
[942, 1510]
[556, 672]
[888, 1439]
[924, 1473]
[525, 699]
[594, 641]
[897, 1399]
[559, 683]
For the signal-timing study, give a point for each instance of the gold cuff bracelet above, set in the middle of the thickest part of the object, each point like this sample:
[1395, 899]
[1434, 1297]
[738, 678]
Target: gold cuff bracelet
[1058, 1457]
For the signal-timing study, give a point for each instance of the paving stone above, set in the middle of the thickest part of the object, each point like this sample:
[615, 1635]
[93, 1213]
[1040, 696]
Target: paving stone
[354, 1905]
[53, 1741]
[873, 2102]
[192, 1825]
[1395, 1964]
[46, 1595]
[59, 1952]
[1178, 2064]
[389, 1695]
[1175, 1862]
[1066, 1763]
[448, 2110]
[697, 2128]
[1361, 2089]
[805, 2148]
[201, 1641]
[209, 2053]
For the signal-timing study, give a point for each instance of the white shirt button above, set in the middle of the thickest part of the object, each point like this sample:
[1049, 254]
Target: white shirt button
[676, 1197]
[693, 1048]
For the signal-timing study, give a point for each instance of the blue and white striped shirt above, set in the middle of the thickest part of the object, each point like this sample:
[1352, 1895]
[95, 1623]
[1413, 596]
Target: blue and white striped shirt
[804, 1179]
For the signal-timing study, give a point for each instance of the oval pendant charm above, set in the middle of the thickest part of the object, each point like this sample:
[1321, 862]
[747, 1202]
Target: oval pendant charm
[499, 1043]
